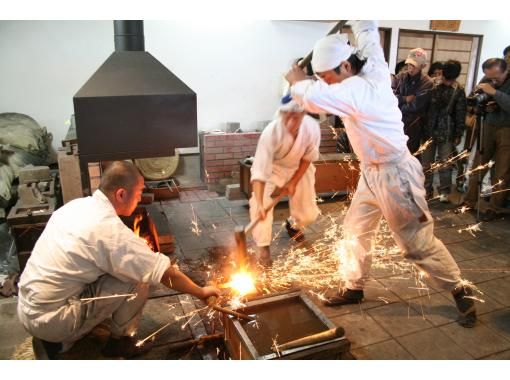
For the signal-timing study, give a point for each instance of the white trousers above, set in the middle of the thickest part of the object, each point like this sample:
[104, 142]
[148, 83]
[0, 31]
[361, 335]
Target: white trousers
[302, 205]
[395, 191]
[75, 319]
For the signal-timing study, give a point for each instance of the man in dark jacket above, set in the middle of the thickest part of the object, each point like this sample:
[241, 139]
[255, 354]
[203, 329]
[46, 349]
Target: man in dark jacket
[496, 138]
[413, 94]
[445, 125]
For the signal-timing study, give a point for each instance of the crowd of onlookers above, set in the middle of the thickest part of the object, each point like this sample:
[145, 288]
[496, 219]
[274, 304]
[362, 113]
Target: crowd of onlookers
[438, 117]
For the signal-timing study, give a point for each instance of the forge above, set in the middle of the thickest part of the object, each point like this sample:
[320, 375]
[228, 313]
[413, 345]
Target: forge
[141, 223]
[281, 318]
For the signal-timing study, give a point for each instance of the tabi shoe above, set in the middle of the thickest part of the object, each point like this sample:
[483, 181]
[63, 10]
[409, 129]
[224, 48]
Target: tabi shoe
[345, 297]
[265, 257]
[125, 347]
[294, 233]
[443, 198]
[466, 306]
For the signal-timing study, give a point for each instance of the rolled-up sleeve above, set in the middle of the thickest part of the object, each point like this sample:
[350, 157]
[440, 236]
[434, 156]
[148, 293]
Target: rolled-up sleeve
[318, 96]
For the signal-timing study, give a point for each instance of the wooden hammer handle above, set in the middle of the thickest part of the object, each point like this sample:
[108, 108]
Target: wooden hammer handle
[312, 339]
[269, 207]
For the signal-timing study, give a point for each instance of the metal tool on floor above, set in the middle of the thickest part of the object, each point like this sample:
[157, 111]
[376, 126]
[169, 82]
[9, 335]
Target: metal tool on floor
[242, 231]
[202, 340]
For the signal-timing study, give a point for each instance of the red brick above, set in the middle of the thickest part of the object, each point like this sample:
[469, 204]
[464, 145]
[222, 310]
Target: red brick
[231, 162]
[213, 150]
[209, 144]
[215, 137]
[230, 149]
[224, 156]
[240, 155]
[209, 157]
[213, 163]
[223, 143]
[249, 148]
[216, 169]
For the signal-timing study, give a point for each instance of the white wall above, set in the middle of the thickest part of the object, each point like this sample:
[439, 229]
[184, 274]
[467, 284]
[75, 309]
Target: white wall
[236, 68]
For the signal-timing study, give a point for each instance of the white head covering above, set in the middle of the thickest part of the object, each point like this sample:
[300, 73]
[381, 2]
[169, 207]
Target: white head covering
[329, 51]
[291, 106]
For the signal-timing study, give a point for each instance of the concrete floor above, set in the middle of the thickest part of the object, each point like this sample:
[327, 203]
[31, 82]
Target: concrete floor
[396, 321]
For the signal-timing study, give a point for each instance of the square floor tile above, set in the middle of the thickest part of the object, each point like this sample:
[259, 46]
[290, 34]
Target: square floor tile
[360, 329]
[432, 344]
[399, 319]
[478, 341]
[388, 350]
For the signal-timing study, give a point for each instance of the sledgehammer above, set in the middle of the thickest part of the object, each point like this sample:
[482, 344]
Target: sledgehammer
[311, 339]
[241, 232]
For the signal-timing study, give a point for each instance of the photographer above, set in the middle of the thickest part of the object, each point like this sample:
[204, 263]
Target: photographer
[493, 100]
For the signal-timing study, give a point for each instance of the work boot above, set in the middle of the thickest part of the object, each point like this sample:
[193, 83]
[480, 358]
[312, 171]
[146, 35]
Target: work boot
[465, 305]
[125, 347]
[265, 257]
[294, 233]
[345, 297]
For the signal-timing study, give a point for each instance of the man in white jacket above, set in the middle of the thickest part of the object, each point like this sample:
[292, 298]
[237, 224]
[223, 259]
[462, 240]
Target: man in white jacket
[285, 152]
[86, 251]
[356, 86]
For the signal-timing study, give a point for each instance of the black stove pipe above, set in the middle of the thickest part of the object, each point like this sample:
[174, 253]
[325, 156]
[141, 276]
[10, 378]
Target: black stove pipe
[129, 35]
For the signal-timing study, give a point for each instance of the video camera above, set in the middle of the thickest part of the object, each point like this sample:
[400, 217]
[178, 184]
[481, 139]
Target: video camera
[478, 98]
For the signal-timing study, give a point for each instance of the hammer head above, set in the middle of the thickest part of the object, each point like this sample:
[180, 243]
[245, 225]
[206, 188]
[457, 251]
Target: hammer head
[242, 253]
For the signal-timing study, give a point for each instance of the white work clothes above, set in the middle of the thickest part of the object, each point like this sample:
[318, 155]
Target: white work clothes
[391, 181]
[84, 242]
[365, 102]
[277, 158]
[395, 191]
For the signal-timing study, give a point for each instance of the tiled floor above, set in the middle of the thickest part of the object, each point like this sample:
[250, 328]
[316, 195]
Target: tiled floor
[396, 320]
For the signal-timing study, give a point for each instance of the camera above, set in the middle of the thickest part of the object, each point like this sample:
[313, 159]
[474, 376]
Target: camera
[478, 98]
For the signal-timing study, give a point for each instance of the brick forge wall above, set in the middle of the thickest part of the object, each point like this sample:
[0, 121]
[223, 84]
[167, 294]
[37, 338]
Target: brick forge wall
[220, 154]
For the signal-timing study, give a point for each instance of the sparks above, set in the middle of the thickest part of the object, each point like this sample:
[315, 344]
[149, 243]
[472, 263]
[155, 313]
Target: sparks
[423, 147]
[471, 229]
[131, 296]
[478, 168]
[194, 223]
[242, 283]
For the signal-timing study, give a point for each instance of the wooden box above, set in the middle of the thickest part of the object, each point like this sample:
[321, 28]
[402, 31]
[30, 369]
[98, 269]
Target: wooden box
[335, 173]
[281, 318]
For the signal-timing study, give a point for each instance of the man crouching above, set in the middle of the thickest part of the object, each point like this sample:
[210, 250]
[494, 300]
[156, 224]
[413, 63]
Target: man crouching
[86, 251]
